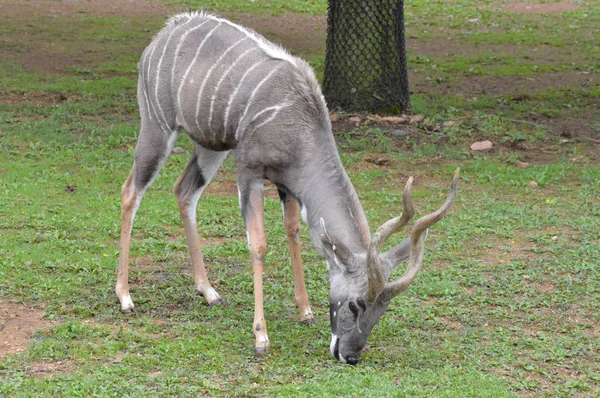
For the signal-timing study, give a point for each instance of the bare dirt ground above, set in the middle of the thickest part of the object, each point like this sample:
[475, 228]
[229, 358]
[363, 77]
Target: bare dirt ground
[17, 323]
[546, 8]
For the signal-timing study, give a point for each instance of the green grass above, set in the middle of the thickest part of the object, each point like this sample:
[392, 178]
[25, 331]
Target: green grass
[507, 303]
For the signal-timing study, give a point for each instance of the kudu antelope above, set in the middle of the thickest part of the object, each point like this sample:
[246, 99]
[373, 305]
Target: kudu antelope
[230, 89]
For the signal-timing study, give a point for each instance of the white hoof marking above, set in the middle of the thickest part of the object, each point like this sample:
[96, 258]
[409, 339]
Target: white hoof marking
[211, 295]
[126, 302]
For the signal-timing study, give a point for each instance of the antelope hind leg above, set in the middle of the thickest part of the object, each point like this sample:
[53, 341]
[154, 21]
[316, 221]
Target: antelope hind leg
[201, 169]
[152, 149]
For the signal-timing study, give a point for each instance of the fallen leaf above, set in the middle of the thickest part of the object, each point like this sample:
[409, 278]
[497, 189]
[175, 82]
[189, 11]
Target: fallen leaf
[334, 117]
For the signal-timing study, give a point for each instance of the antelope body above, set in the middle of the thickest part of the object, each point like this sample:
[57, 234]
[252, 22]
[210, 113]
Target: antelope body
[230, 89]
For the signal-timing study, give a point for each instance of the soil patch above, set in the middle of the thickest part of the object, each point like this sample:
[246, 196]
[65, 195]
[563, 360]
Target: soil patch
[54, 8]
[519, 86]
[222, 188]
[17, 322]
[305, 34]
[544, 8]
[302, 32]
[44, 369]
[38, 99]
[437, 47]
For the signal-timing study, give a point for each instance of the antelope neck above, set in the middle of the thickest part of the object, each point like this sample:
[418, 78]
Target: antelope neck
[330, 195]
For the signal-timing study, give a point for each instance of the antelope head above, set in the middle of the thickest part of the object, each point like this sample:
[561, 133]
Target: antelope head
[360, 291]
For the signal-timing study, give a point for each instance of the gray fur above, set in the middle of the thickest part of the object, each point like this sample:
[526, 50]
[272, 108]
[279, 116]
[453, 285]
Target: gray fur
[230, 89]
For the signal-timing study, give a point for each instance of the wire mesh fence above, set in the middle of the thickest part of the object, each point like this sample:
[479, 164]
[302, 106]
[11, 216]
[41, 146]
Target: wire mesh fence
[365, 63]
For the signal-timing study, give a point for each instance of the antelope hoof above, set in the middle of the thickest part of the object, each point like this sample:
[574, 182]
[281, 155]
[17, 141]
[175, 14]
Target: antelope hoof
[128, 311]
[307, 318]
[261, 352]
[125, 304]
[309, 321]
[216, 302]
[211, 295]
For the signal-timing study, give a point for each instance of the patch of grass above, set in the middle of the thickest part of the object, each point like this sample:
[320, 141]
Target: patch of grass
[366, 139]
[507, 303]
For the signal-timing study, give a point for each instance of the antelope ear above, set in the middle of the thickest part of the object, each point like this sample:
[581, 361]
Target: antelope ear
[337, 249]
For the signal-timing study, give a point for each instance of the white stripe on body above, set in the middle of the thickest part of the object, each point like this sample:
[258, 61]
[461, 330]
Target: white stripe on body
[252, 97]
[212, 101]
[206, 79]
[269, 48]
[183, 37]
[209, 34]
[148, 112]
[275, 108]
[142, 82]
[162, 55]
[147, 62]
[178, 48]
[235, 91]
[214, 97]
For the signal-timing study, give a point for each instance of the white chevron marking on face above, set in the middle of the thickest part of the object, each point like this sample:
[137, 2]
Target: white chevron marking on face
[332, 344]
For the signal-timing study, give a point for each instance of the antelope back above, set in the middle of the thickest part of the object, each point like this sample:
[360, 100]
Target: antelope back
[218, 81]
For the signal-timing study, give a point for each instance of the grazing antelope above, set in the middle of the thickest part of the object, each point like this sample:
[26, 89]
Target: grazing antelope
[232, 90]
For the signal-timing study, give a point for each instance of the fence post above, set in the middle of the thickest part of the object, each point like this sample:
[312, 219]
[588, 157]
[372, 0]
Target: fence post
[365, 62]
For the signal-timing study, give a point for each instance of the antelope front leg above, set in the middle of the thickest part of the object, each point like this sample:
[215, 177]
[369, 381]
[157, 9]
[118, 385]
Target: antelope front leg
[252, 206]
[129, 203]
[292, 228]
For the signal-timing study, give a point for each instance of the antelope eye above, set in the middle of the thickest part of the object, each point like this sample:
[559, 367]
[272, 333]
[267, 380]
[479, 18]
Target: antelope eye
[353, 308]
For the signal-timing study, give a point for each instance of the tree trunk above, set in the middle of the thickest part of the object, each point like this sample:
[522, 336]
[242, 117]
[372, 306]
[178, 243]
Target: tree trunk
[365, 63]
